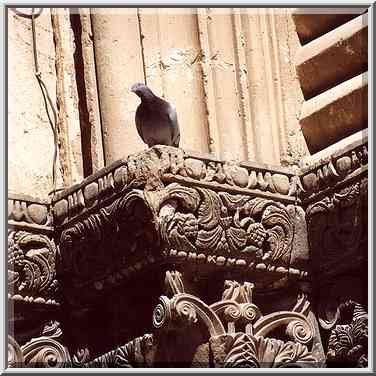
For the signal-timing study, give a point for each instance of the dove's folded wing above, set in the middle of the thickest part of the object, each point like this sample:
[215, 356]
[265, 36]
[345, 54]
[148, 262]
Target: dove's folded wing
[175, 136]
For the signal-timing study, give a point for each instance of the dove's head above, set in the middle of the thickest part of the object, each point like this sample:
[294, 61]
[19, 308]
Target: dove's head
[142, 91]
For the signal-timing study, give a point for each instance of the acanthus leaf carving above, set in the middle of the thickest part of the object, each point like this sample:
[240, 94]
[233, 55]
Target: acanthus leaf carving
[257, 352]
[348, 340]
[31, 266]
[202, 220]
[131, 355]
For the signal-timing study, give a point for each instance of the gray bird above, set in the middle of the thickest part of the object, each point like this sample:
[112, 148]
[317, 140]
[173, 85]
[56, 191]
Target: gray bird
[156, 119]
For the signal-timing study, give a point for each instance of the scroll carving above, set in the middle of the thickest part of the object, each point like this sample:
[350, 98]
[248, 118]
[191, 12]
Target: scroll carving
[245, 342]
[42, 352]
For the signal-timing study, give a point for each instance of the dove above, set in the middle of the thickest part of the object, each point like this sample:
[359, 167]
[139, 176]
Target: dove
[156, 119]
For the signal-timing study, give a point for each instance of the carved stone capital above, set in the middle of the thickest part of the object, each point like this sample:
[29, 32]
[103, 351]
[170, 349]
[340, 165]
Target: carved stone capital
[45, 351]
[31, 268]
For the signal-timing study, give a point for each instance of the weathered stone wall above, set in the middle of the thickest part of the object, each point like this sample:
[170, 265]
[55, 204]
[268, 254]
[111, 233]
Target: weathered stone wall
[229, 73]
[30, 138]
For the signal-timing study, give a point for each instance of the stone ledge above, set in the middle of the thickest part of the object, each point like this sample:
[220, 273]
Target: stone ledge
[339, 161]
[151, 168]
[335, 114]
[347, 46]
[29, 213]
[311, 23]
[334, 167]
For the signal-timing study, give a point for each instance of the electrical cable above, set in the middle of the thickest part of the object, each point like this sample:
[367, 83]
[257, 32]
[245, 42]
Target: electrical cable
[26, 15]
[47, 100]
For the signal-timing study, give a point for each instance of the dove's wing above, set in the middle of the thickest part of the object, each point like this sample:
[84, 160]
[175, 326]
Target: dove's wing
[175, 135]
[139, 123]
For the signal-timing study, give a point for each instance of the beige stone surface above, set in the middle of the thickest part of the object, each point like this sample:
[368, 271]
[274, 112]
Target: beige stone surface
[335, 114]
[334, 57]
[228, 71]
[119, 64]
[171, 51]
[30, 138]
[69, 130]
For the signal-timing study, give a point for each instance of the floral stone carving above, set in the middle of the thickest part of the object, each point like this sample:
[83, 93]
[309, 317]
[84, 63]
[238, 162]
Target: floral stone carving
[164, 208]
[198, 221]
[31, 267]
[337, 225]
[348, 340]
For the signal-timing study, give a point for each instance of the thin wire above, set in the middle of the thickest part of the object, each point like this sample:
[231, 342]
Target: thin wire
[26, 15]
[47, 101]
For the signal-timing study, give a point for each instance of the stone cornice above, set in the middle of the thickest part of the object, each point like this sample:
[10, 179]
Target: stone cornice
[151, 168]
[334, 168]
[29, 213]
[177, 189]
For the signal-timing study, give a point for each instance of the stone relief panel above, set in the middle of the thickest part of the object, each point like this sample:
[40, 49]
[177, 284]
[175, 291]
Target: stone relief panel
[200, 220]
[165, 208]
[348, 340]
[31, 268]
[337, 226]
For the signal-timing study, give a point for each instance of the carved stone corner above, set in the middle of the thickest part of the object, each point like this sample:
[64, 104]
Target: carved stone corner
[204, 213]
[31, 254]
[335, 199]
[238, 334]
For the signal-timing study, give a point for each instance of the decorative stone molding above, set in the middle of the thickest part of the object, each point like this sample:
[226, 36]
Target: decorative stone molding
[29, 213]
[31, 268]
[152, 168]
[237, 330]
[338, 223]
[41, 352]
[331, 172]
[165, 209]
[348, 340]
[238, 335]
[178, 224]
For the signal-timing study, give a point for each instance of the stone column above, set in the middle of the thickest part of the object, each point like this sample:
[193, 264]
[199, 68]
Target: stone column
[119, 64]
[229, 73]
